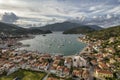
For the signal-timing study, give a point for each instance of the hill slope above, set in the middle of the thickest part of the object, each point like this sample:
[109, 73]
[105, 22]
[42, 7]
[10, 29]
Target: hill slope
[79, 30]
[63, 26]
[16, 30]
[11, 29]
[105, 33]
[59, 26]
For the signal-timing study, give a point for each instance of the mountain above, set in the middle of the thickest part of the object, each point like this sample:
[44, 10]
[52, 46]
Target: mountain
[11, 29]
[16, 30]
[106, 20]
[83, 29]
[64, 26]
[59, 26]
[105, 33]
[95, 27]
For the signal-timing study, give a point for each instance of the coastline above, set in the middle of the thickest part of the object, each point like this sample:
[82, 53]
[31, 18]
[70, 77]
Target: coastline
[25, 38]
[84, 49]
[33, 36]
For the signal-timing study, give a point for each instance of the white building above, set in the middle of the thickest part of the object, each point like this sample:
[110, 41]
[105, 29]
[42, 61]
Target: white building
[78, 61]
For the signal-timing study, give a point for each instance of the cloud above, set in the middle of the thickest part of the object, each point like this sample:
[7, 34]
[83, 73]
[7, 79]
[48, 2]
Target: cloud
[9, 17]
[49, 11]
[92, 8]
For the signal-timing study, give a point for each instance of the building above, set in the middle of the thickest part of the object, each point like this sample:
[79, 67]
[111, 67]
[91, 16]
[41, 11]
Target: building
[78, 61]
[77, 73]
[102, 74]
[68, 62]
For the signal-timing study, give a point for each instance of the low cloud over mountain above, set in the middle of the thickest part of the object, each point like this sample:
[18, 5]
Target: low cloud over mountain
[9, 17]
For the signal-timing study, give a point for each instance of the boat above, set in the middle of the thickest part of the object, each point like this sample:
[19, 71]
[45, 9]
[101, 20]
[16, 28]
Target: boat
[62, 45]
[59, 46]
[44, 35]
[69, 42]
[50, 44]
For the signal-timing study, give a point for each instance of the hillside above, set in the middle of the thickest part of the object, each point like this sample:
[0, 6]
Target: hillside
[16, 30]
[11, 29]
[95, 27]
[79, 30]
[105, 33]
[59, 26]
[64, 26]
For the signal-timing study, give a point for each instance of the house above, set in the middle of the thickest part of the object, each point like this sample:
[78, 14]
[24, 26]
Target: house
[118, 46]
[46, 66]
[107, 54]
[60, 71]
[52, 70]
[4, 50]
[111, 50]
[96, 48]
[56, 62]
[93, 62]
[77, 73]
[22, 64]
[102, 74]
[66, 71]
[111, 40]
[1, 70]
[112, 60]
[85, 74]
[68, 62]
[102, 65]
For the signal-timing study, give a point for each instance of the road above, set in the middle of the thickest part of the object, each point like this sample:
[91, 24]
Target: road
[45, 78]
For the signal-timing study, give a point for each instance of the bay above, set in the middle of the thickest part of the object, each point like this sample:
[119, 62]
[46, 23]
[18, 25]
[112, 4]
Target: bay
[55, 43]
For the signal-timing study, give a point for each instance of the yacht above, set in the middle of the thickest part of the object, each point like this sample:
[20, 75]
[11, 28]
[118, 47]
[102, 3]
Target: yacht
[44, 35]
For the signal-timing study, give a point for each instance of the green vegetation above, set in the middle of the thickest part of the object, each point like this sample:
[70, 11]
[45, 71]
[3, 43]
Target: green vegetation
[53, 75]
[16, 30]
[117, 64]
[79, 30]
[63, 26]
[11, 29]
[59, 26]
[115, 45]
[61, 63]
[105, 33]
[24, 75]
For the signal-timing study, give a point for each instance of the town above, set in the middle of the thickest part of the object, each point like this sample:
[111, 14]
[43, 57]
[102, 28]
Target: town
[94, 62]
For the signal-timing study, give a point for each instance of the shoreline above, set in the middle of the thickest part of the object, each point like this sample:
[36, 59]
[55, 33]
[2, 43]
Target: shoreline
[25, 38]
[33, 36]
[84, 49]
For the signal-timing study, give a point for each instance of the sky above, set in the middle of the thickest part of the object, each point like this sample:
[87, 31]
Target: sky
[41, 12]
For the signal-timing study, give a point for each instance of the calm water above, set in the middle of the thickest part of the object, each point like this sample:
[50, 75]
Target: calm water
[55, 43]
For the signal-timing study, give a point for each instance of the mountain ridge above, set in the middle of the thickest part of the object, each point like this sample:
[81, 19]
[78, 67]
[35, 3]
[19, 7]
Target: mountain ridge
[16, 30]
[64, 26]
